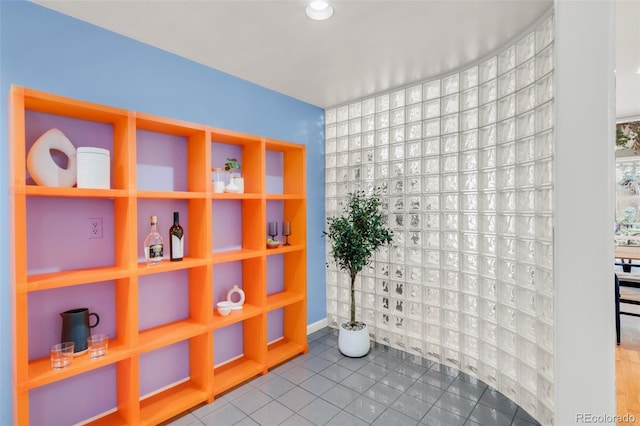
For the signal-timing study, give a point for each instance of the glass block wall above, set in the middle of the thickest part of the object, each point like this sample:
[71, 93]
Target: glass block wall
[464, 163]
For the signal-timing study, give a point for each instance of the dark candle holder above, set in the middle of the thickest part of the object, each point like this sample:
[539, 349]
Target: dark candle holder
[273, 230]
[286, 231]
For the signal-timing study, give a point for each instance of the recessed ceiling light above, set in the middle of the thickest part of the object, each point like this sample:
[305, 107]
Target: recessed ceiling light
[319, 10]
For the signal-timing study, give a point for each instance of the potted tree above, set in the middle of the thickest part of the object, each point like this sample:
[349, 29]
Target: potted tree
[354, 237]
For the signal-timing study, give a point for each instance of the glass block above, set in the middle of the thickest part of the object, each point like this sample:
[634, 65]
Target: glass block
[450, 221]
[470, 263]
[469, 243]
[432, 184]
[355, 158]
[450, 300]
[451, 104]
[544, 172]
[414, 239]
[544, 62]
[488, 92]
[431, 202]
[431, 109]
[507, 130]
[544, 33]
[506, 84]
[382, 154]
[508, 370]
[431, 90]
[469, 120]
[398, 220]
[489, 69]
[397, 186]
[506, 107]
[397, 151]
[526, 273]
[397, 99]
[544, 145]
[414, 113]
[432, 258]
[486, 181]
[506, 177]
[526, 199]
[469, 222]
[415, 220]
[525, 176]
[413, 94]
[449, 124]
[450, 163]
[331, 190]
[487, 223]
[506, 274]
[414, 167]
[469, 78]
[382, 120]
[487, 114]
[544, 117]
[545, 363]
[526, 124]
[487, 136]
[469, 161]
[469, 99]
[450, 202]
[451, 319]
[489, 353]
[355, 126]
[528, 302]
[544, 200]
[413, 131]
[506, 154]
[330, 116]
[397, 116]
[544, 89]
[382, 103]
[343, 144]
[450, 182]
[431, 128]
[355, 110]
[487, 159]
[342, 174]
[369, 172]
[449, 143]
[382, 137]
[414, 185]
[525, 150]
[450, 241]
[397, 204]
[526, 48]
[507, 201]
[545, 336]
[526, 74]
[451, 280]
[342, 129]
[469, 201]
[470, 285]
[507, 60]
[450, 84]
[506, 224]
[488, 200]
[369, 123]
[469, 140]
[544, 228]
[432, 240]
[544, 254]
[368, 156]
[343, 113]
[451, 340]
[368, 140]
[414, 257]
[368, 106]
[432, 333]
[431, 221]
[331, 131]
[355, 142]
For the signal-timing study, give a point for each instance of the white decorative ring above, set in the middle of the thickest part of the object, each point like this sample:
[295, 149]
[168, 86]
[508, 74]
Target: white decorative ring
[236, 305]
[41, 166]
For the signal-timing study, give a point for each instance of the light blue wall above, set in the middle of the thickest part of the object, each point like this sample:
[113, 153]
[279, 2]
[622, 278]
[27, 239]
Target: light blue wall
[48, 51]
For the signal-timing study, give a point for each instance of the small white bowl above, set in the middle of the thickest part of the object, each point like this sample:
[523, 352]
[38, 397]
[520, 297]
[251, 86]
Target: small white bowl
[224, 307]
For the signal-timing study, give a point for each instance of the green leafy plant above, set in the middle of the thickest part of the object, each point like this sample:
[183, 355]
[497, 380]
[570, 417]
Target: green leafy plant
[356, 235]
[231, 164]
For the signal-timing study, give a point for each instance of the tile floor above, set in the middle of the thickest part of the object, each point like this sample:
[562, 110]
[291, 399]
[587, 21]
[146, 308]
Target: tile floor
[386, 387]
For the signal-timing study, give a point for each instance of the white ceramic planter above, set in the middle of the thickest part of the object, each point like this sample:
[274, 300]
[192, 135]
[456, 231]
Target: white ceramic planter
[354, 344]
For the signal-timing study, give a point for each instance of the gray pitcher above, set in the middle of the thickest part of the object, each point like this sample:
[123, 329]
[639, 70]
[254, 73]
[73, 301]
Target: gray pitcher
[76, 328]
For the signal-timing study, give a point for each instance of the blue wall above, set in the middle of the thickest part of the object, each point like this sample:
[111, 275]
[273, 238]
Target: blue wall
[48, 51]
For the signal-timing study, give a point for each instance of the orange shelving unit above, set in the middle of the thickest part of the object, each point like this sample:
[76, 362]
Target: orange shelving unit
[157, 165]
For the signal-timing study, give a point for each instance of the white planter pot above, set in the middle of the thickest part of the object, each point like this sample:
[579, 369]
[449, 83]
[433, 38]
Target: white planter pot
[354, 343]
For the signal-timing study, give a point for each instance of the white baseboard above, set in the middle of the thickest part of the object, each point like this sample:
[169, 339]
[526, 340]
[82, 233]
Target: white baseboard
[318, 325]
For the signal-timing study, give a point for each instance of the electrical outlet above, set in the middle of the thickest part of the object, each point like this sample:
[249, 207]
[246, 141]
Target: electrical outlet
[94, 227]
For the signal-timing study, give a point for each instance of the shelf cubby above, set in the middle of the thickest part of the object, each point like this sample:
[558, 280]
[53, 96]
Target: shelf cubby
[169, 348]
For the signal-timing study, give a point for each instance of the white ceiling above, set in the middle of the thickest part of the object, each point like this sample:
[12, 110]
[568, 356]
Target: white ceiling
[367, 46]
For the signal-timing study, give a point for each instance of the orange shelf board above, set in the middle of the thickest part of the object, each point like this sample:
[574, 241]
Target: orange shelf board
[285, 196]
[53, 191]
[171, 195]
[276, 145]
[285, 249]
[166, 265]
[236, 196]
[246, 312]
[170, 402]
[74, 277]
[168, 334]
[111, 419]
[282, 351]
[170, 126]
[233, 137]
[233, 255]
[282, 299]
[234, 373]
[41, 373]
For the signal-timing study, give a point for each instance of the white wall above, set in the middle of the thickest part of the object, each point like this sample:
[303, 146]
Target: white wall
[585, 122]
